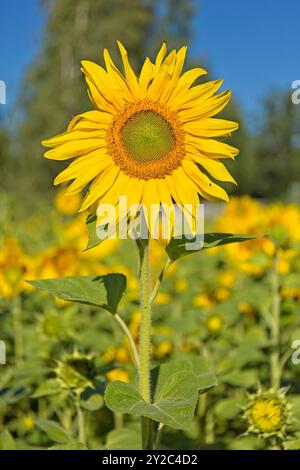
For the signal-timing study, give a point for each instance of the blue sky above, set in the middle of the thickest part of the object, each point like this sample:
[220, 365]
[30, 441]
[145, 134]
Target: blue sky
[253, 45]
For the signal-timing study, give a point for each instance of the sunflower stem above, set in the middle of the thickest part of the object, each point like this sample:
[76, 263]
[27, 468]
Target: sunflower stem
[145, 339]
[276, 368]
[80, 420]
[133, 350]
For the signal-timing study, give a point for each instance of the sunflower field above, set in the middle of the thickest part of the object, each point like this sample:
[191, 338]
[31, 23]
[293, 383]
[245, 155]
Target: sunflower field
[234, 308]
[149, 229]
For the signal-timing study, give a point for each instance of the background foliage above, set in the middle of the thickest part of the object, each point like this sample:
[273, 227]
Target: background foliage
[221, 299]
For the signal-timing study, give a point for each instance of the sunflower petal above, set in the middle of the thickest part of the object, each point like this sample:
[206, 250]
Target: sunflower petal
[215, 168]
[74, 149]
[99, 187]
[211, 127]
[205, 186]
[129, 73]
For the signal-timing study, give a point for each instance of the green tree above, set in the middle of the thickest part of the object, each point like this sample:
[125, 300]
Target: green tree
[4, 157]
[277, 150]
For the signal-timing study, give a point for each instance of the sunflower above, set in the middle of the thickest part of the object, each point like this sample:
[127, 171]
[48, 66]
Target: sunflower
[151, 137]
[268, 413]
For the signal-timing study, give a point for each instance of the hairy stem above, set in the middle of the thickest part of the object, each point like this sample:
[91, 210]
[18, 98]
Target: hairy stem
[80, 420]
[134, 353]
[275, 362]
[145, 339]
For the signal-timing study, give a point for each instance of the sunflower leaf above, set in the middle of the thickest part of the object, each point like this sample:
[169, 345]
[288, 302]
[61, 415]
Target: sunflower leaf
[93, 240]
[7, 441]
[100, 291]
[178, 247]
[176, 393]
[54, 431]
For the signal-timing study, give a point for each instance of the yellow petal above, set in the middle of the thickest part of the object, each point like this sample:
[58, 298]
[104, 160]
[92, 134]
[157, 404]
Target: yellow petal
[161, 55]
[194, 97]
[208, 108]
[170, 87]
[97, 98]
[158, 84]
[74, 149]
[99, 187]
[74, 136]
[93, 164]
[146, 76]
[116, 76]
[129, 73]
[94, 116]
[151, 202]
[205, 186]
[211, 146]
[211, 127]
[215, 168]
[101, 80]
[186, 80]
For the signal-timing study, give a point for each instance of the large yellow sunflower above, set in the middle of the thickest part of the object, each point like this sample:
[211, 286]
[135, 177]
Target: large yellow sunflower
[151, 138]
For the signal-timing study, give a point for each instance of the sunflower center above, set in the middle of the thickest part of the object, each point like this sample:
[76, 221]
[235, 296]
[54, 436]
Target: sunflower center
[147, 137]
[146, 140]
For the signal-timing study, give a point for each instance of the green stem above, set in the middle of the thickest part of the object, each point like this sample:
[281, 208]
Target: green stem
[134, 353]
[118, 420]
[17, 329]
[275, 362]
[159, 281]
[80, 420]
[145, 339]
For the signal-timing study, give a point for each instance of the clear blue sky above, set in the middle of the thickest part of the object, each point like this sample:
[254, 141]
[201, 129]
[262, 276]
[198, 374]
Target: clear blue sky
[253, 45]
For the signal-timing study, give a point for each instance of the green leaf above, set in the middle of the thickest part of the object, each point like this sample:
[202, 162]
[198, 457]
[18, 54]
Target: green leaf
[205, 376]
[93, 402]
[175, 397]
[174, 408]
[124, 439]
[54, 431]
[241, 378]
[101, 291]
[7, 441]
[93, 240]
[229, 408]
[177, 248]
[49, 387]
[72, 445]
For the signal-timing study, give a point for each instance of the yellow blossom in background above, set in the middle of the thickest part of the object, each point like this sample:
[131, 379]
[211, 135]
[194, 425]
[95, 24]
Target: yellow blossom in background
[203, 300]
[214, 323]
[245, 307]
[163, 298]
[227, 278]
[15, 266]
[134, 325]
[163, 349]
[117, 374]
[181, 285]
[221, 294]
[28, 422]
[67, 205]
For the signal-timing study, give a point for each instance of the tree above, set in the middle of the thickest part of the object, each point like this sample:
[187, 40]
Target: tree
[278, 146]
